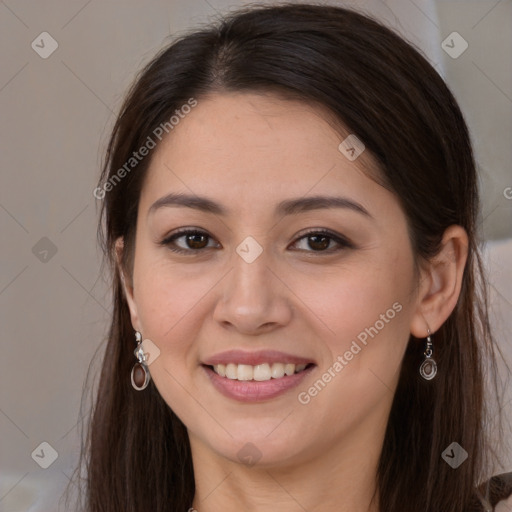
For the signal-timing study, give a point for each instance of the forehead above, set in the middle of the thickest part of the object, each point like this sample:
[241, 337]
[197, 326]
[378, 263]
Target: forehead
[226, 126]
[255, 146]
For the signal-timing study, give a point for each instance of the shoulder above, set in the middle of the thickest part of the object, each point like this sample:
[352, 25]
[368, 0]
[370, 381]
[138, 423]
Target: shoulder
[495, 495]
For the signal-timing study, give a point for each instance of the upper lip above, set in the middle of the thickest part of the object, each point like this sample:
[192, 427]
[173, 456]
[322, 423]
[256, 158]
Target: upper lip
[254, 358]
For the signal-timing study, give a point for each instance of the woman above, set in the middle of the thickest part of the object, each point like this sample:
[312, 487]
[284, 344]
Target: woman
[290, 205]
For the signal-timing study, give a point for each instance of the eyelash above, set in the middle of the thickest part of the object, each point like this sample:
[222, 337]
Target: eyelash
[343, 242]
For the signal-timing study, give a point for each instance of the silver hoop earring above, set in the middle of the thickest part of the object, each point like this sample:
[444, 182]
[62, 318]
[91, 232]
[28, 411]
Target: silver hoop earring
[428, 368]
[140, 375]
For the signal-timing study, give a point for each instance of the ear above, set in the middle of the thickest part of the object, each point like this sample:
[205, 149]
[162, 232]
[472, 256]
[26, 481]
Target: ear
[128, 287]
[440, 283]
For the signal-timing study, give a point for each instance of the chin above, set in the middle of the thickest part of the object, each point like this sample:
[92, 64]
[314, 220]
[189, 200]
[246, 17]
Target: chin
[258, 449]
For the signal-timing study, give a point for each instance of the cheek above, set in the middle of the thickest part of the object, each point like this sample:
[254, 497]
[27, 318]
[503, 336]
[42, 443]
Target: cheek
[368, 315]
[367, 311]
[349, 299]
[165, 294]
[168, 305]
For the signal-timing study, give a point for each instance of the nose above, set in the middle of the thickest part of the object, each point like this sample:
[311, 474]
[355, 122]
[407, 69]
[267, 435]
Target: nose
[254, 298]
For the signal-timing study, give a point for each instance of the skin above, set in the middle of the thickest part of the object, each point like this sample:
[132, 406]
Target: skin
[248, 152]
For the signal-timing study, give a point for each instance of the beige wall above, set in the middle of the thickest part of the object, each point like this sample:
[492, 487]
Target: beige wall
[56, 113]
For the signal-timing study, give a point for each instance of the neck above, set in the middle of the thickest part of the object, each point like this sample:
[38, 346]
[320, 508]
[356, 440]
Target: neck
[342, 479]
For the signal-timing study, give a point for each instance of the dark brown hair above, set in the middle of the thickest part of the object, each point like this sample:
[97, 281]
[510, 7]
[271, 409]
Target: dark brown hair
[379, 87]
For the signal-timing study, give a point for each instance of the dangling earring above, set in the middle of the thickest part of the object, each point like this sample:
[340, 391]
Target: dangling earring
[428, 368]
[140, 375]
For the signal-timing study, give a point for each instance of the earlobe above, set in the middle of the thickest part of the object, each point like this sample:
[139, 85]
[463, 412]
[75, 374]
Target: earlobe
[441, 282]
[127, 283]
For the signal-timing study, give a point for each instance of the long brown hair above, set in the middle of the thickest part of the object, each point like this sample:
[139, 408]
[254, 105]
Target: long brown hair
[137, 454]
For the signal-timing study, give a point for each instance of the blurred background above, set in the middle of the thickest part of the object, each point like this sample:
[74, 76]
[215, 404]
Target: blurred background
[65, 68]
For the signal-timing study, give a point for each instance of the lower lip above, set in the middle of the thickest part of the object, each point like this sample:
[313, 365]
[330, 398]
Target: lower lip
[255, 391]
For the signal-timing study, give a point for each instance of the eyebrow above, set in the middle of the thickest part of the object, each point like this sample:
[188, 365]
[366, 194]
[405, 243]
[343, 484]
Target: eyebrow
[286, 207]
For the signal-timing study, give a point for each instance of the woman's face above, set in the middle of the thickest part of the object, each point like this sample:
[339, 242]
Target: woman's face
[254, 281]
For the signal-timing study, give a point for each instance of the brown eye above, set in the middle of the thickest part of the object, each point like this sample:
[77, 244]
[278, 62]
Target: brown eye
[320, 241]
[194, 241]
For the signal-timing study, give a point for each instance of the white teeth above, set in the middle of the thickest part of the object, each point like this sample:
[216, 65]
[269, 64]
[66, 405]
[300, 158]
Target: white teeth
[245, 372]
[277, 370]
[231, 371]
[289, 369]
[260, 372]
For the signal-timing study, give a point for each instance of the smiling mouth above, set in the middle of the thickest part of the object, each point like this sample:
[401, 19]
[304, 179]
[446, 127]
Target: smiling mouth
[259, 372]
